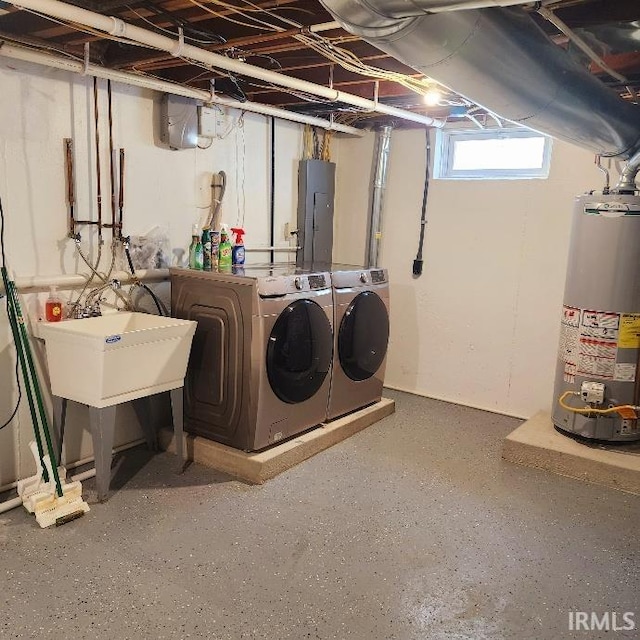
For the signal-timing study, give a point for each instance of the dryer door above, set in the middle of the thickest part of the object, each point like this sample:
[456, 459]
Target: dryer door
[363, 336]
[299, 351]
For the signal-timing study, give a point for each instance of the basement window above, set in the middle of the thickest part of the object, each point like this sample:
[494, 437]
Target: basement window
[491, 154]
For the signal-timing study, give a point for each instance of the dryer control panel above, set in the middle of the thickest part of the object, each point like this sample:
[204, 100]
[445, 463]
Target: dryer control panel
[280, 285]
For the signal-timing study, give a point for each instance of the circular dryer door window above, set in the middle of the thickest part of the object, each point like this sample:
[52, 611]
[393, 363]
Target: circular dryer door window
[363, 336]
[299, 352]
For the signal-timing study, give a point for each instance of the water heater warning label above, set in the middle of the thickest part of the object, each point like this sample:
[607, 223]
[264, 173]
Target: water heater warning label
[569, 334]
[598, 344]
[595, 344]
[629, 331]
[569, 342]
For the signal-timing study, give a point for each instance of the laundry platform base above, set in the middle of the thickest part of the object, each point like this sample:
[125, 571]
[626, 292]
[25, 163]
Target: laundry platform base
[255, 468]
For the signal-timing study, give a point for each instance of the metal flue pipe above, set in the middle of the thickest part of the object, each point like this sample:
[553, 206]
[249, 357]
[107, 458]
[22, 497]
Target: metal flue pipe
[380, 170]
[178, 48]
[67, 64]
[627, 181]
[500, 59]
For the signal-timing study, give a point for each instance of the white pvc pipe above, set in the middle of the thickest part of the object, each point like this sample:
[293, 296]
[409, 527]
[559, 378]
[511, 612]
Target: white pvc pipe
[67, 64]
[7, 505]
[12, 503]
[28, 284]
[85, 475]
[178, 48]
[325, 26]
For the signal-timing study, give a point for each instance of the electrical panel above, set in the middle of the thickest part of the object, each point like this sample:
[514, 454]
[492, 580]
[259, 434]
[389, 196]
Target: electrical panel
[316, 189]
[179, 122]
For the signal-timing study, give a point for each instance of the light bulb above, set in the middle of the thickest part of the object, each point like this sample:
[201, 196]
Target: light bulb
[432, 97]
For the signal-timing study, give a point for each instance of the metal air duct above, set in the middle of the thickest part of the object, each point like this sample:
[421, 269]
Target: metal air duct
[499, 59]
[406, 8]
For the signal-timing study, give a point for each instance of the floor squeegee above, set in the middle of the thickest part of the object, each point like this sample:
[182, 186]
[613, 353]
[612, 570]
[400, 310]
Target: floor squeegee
[47, 494]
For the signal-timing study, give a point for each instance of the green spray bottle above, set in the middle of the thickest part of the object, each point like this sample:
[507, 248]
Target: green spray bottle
[195, 250]
[225, 250]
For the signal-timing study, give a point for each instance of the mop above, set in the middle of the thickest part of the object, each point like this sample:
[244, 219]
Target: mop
[45, 494]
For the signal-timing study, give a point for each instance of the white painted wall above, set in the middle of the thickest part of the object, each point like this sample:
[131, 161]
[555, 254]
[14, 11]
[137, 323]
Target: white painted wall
[39, 108]
[480, 326]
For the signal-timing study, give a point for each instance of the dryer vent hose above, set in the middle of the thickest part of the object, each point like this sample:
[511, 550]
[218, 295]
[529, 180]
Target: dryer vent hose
[218, 187]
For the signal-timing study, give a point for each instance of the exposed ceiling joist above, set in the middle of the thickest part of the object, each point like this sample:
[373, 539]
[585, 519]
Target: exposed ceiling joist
[208, 20]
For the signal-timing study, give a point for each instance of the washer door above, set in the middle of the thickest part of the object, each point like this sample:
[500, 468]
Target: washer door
[363, 336]
[299, 351]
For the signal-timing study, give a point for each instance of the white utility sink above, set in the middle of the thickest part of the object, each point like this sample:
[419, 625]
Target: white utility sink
[118, 357]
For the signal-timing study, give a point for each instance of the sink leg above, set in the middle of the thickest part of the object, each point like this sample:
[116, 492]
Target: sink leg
[103, 422]
[59, 420]
[178, 425]
[142, 407]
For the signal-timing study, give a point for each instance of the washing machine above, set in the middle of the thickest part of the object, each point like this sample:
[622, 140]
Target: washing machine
[361, 335]
[260, 363]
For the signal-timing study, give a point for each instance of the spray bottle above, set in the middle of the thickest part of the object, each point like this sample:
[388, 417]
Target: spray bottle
[225, 251]
[215, 249]
[238, 247]
[207, 262]
[195, 250]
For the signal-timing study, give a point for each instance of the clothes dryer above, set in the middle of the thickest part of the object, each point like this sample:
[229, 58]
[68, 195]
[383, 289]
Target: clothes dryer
[260, 364]
[361, 335]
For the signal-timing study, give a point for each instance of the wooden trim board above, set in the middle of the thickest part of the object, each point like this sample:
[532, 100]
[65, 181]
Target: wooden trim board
[536, 443]
[258, 467]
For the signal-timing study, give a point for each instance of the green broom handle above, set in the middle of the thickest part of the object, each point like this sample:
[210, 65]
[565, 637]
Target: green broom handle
[36, 387]
[23, 366]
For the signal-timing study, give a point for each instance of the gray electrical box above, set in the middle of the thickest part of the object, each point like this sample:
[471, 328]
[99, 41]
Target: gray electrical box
[316, 192]
[179, 122]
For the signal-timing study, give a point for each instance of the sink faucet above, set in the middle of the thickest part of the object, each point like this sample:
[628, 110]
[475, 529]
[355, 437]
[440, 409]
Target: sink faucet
[92, 307]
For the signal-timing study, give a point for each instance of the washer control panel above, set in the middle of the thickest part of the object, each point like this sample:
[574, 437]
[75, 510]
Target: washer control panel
[318, 281]
[377, 276]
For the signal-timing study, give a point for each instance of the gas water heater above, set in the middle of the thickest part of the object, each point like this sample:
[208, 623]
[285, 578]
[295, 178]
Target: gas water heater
[597, 386]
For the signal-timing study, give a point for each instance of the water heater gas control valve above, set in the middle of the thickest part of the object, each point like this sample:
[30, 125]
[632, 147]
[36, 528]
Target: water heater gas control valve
[592, 392]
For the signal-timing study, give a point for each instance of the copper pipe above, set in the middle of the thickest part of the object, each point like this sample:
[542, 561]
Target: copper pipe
[121, 194]
[96, 113]
[68, 143]
[112, 167]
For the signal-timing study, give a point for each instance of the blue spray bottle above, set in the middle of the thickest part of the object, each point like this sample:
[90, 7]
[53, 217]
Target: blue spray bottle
[238, 247]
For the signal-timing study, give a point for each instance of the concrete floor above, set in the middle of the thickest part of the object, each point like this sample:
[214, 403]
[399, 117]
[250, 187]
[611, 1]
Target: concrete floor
[412, 529]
